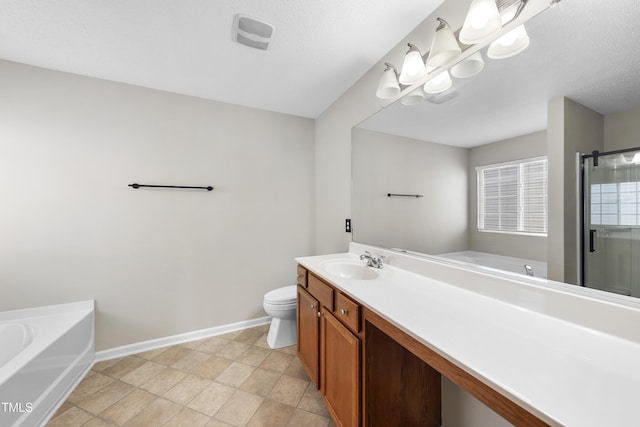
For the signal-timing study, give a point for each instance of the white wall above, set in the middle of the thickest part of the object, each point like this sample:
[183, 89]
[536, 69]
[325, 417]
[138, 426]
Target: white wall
[518, 148]
[158, 262]
[383, 163]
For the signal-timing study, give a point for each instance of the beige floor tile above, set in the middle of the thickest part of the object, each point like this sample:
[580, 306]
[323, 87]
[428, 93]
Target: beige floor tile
[307, 419]
[233, 350]
[65, 406]
[249, 336]
[185, 390]
[143, 373]
[288, 390]
[91, 384]
[213, 345]
[101, 366]
[212, 367]
[123, 366]
[217, 423]
[72, 417]
[97, 422]
[105, 398]
[311, 401]
[254, 356]
[150, 354]
[156, 414]
[262, 342]
[277, 361]
[272, 414]
[191, 361]
[188, 418]
[162, 382]
[260, 382]
[128, 407]
[172, 355]
[231, 335]
[211, 399]
[292, 350]
[296, 370]
[235, 374]
[239, 409]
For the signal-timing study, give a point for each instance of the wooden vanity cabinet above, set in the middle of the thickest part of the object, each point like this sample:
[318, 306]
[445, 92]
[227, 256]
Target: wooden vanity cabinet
[329, 347]
[308, 333]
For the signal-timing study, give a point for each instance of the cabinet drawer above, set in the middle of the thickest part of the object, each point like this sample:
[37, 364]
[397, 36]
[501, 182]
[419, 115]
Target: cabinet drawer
[321, 291]
[302, 276]
[348, 312]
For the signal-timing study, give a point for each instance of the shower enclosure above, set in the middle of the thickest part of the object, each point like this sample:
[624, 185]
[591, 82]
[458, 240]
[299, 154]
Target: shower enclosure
[610, 236]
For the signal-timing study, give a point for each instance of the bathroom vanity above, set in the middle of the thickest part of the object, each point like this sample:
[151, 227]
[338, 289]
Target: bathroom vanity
[377, 341]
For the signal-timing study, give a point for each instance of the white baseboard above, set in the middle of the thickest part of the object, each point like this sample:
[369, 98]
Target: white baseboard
[139, 347]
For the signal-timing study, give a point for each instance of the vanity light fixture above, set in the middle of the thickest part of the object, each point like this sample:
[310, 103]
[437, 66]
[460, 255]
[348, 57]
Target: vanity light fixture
[413, 98]
[388, 87]
[636, 159]
[510, 44]
[444, 46]
[468, 67]
[439, 83]
[413, 67]
[482, 22]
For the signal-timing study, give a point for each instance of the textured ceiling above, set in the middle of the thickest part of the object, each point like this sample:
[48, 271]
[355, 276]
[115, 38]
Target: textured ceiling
[585, 50]
[319, 49]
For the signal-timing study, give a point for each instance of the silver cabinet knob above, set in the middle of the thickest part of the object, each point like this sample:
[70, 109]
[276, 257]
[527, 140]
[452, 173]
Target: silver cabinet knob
[319, 314]
[343, 311]
[313, 306]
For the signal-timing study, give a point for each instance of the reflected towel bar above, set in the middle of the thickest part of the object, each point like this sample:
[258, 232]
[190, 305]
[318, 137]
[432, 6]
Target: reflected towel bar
[134, 185]
[404, 195]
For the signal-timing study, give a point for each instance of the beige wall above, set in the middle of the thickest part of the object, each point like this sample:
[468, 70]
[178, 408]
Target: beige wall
[622, 130]
[383, 163]
[518, 148]
[573, 129]
[157, 262]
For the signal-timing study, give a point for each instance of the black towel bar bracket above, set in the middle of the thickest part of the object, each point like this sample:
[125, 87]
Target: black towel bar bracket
[135, 185]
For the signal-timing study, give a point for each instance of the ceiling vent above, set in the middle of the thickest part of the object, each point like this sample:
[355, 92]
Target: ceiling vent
[252, 32]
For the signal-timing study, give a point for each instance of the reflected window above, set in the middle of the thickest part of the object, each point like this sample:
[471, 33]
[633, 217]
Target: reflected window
[512, 197]
[615, 203]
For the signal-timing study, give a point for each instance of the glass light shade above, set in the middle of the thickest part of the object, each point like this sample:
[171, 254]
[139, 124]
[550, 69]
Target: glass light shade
[388, 87]
[468, 67]
[482, 23]
[444, 46]
[510, 44]
[439, 83]
[413, 98]
[413, 68]
[636, 158]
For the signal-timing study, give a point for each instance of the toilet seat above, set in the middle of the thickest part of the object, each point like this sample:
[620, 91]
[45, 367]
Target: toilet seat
[281, 296]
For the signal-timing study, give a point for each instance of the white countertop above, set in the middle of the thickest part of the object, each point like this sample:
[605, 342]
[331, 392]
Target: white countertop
[561, 370]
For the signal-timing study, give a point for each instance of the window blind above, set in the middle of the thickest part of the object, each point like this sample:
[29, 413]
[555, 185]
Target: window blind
[512, 198]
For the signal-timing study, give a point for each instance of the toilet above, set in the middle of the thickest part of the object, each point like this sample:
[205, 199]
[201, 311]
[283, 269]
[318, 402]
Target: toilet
[280, 304]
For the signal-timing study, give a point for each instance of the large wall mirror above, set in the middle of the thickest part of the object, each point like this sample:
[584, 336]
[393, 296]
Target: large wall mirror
[586, 51]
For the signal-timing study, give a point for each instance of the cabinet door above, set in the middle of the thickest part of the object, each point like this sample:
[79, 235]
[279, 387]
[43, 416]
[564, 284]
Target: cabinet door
[340, 368]
[307, 330]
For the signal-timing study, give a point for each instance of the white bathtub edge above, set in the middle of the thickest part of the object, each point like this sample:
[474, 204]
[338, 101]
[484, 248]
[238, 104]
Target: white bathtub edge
[141, 346]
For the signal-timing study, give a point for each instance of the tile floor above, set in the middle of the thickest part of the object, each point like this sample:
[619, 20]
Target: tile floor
[228, 380]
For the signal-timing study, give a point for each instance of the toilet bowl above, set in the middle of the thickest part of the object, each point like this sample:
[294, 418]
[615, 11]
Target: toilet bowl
[280, 304]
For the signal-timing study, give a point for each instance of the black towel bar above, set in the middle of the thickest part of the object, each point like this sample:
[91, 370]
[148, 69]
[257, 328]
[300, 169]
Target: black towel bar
[134, 185]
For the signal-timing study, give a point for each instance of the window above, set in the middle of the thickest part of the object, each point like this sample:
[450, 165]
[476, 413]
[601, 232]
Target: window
[512, 197]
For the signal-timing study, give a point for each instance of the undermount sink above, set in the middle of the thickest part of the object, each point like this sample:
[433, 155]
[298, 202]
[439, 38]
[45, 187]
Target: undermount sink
[349, 269]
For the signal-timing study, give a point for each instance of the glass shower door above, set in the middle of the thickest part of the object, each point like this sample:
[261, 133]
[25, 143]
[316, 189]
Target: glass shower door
[611, 235]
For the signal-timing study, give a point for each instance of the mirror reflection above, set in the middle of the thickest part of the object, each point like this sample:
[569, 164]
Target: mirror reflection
[575, 83]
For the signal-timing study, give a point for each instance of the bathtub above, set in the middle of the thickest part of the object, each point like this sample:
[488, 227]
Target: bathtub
[499, 262]
[44, 353]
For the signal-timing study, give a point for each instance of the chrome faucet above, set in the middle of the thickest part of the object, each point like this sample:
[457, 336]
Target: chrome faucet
[529, 270]
[372, 260]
